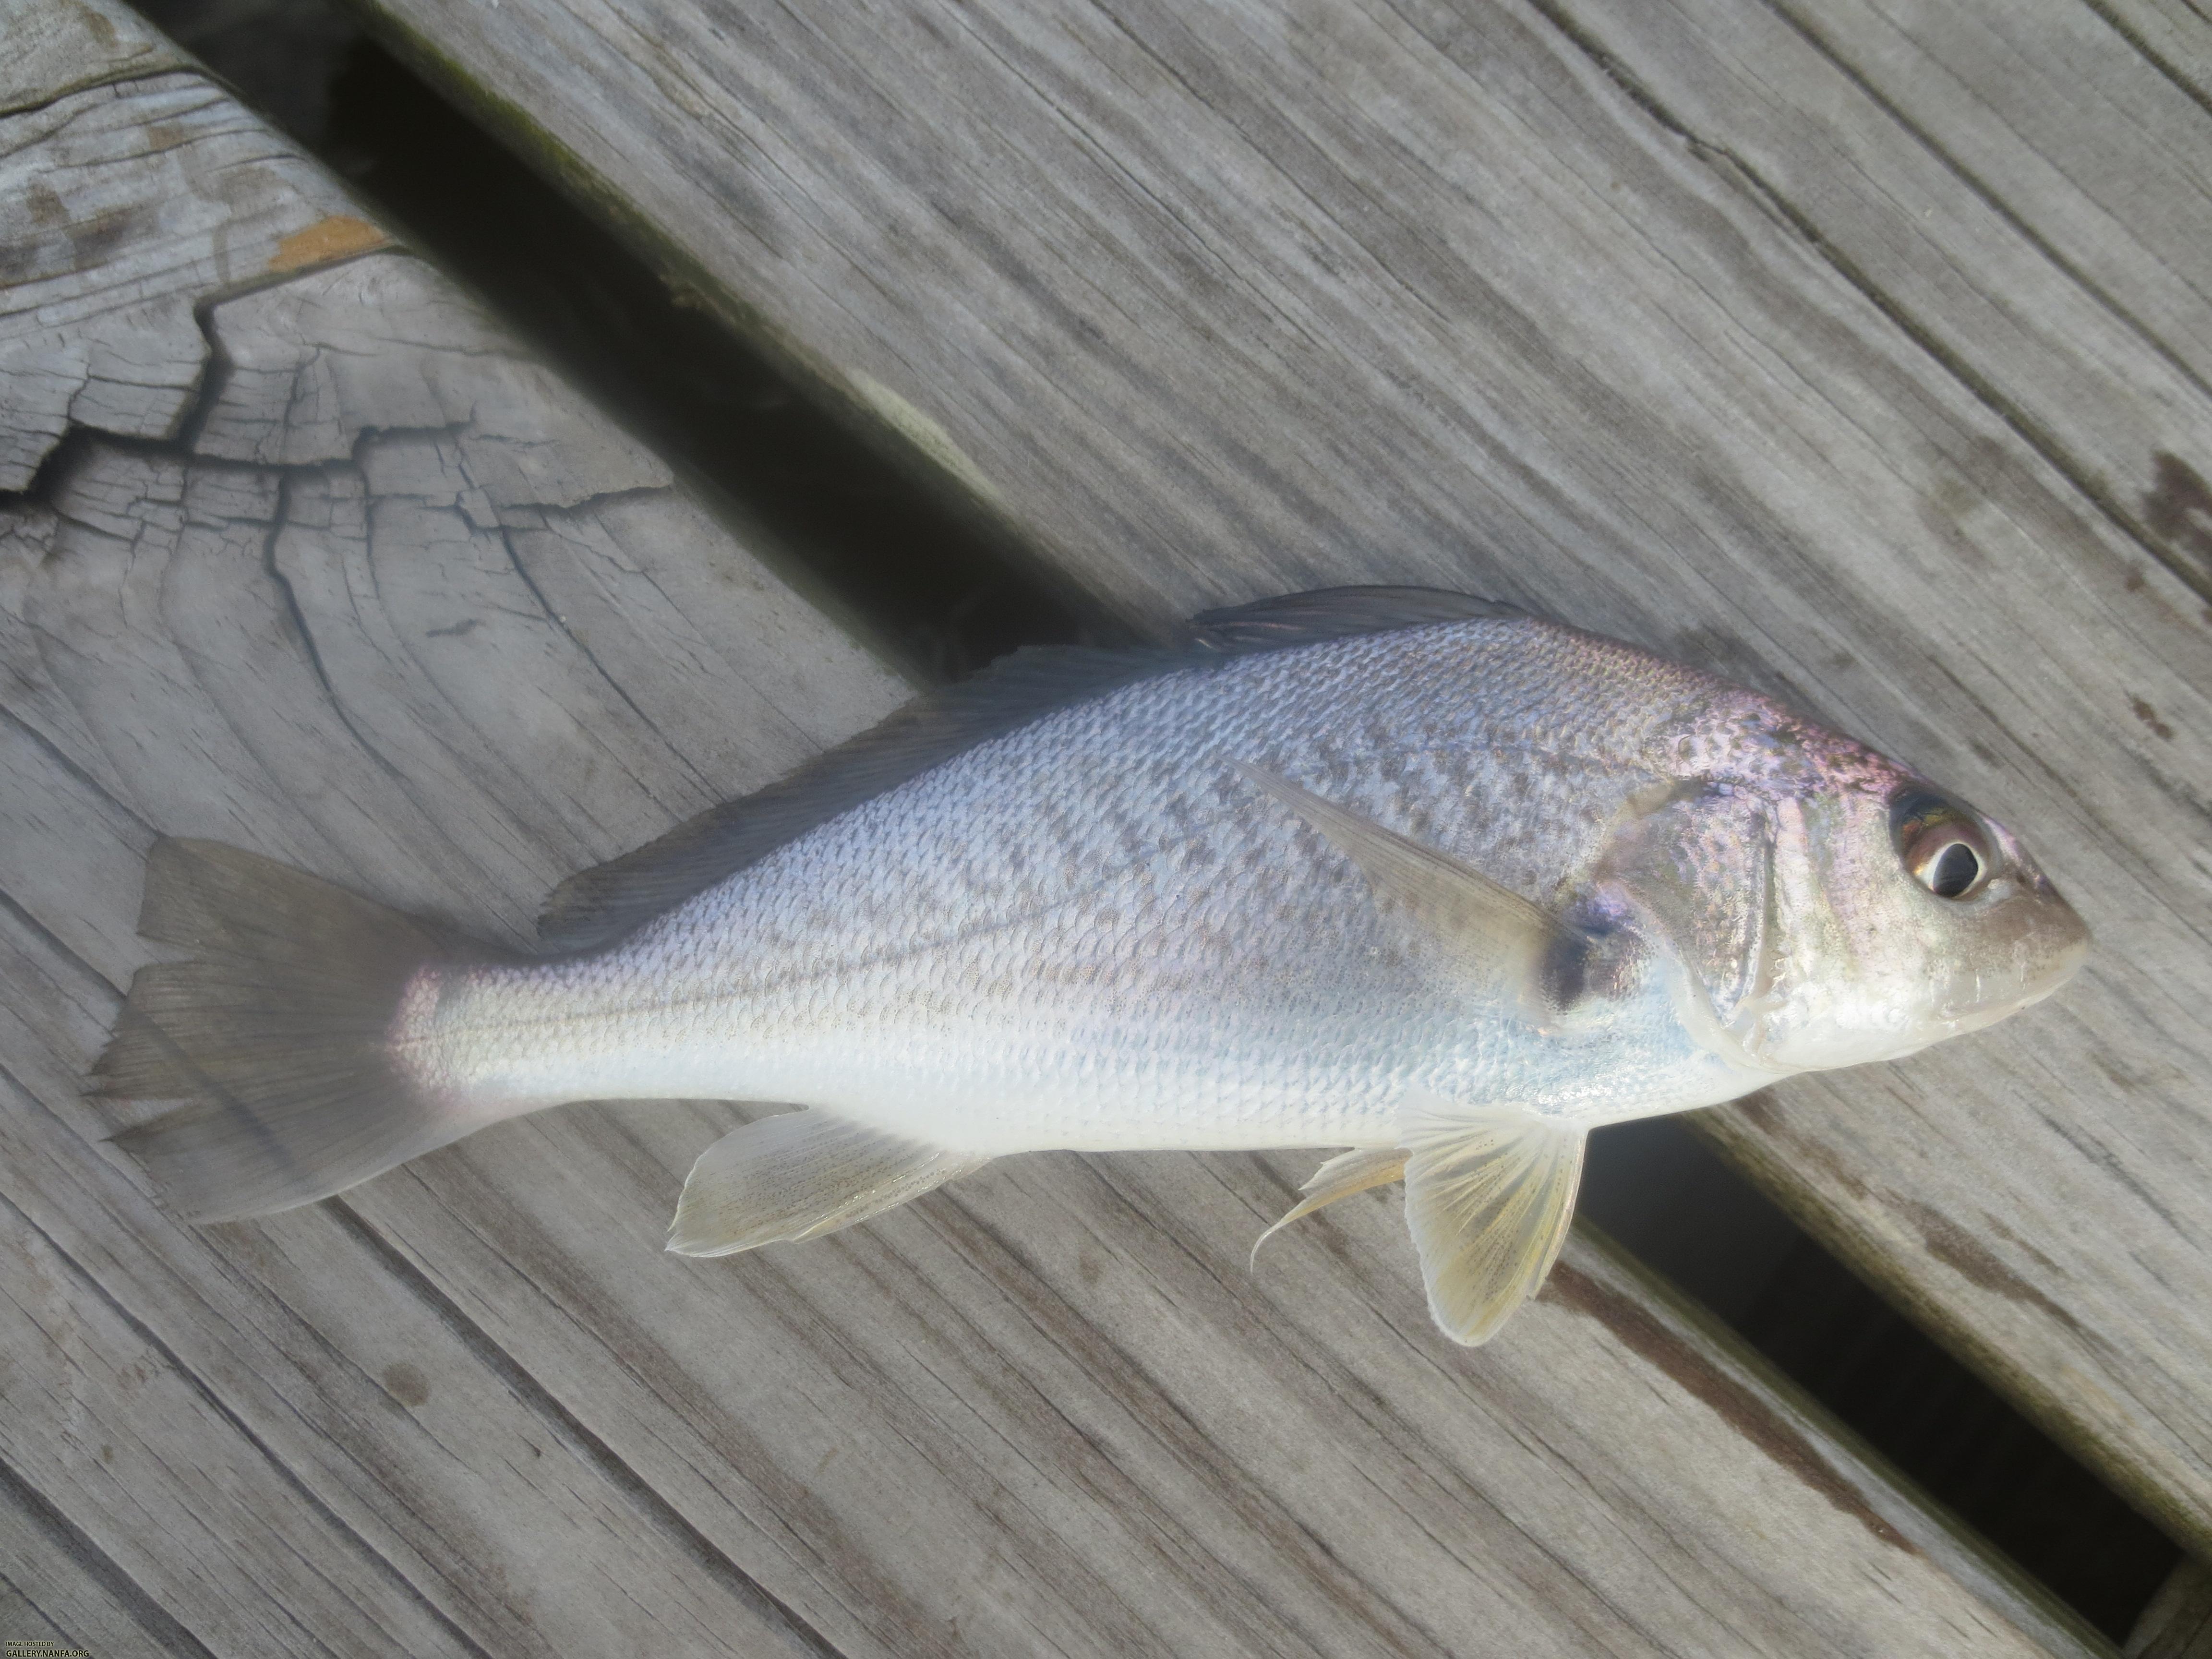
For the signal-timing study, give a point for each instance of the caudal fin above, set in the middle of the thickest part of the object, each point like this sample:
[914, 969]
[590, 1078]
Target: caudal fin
[274, 1035]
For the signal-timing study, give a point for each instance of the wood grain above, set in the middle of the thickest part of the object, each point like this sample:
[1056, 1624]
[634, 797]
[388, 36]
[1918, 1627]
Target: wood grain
[280, 1445]
[2022, 192]
[57, 1588]
[110, 241]
[100, 1418]
[393, 604]
[2175, 35]
[58, 47]
[1217, 301]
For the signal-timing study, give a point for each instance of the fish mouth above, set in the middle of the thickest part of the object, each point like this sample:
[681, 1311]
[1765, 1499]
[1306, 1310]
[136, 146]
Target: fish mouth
[2048, 954]
[2044, 951]
[2067, 961]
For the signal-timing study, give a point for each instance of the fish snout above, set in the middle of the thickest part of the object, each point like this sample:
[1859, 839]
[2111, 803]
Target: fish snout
[2040, 945]
[2064, 940]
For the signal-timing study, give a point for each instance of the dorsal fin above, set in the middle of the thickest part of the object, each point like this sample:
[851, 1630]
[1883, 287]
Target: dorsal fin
[600, 905]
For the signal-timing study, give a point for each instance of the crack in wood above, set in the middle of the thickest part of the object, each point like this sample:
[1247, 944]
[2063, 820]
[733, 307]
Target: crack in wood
[1547, 1492]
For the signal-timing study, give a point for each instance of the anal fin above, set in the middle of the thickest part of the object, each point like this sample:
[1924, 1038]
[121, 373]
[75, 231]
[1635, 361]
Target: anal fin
[1489, 1195]
[801, 1175]
[1347, 1173]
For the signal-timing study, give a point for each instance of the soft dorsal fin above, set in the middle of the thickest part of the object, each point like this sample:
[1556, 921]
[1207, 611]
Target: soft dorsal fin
[597, 905]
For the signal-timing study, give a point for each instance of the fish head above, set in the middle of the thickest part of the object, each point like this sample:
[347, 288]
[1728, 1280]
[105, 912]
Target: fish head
[1905, 916]
[1829, 907]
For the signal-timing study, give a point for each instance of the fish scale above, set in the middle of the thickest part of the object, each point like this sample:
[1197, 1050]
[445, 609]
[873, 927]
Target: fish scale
[983, 937]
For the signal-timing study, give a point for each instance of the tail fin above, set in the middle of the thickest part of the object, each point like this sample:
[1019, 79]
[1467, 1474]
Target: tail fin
[275, 1036]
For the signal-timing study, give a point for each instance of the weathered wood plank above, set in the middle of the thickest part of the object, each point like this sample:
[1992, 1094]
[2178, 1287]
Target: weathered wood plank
[1932, 152]
[397, 1461]
[280, 1443]
[1206, 302]
[1051, 1407]
[441, 633]
[493, 1522]
[57, 1589]
[2176, 35]
[967, 1386]
[65, 47]
[2037, 211]
[106, 1429]
[226, 207]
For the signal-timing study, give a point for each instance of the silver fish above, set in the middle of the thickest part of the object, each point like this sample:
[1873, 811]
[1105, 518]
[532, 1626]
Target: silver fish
[1400, 871]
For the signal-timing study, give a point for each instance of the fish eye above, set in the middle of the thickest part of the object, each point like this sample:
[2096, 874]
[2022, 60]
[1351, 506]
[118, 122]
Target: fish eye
[1941, 845]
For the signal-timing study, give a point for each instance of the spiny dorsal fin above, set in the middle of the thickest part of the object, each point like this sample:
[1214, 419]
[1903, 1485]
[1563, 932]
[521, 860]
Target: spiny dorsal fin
[1489, 1195]
[1347, 1173]
[599, 905]
[799, 1176]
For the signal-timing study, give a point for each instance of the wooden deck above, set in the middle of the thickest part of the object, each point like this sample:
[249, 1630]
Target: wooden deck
[1859, 350]
[1829, 356]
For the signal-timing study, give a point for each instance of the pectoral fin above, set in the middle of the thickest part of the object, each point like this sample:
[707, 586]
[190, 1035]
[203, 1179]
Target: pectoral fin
[1491, 934]
[799, 1175]
[1347, 1173]
[1488, 1196]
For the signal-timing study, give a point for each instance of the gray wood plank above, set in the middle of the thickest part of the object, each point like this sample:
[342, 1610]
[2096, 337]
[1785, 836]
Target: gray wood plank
[2026, 194]
[232, 208]
[65, 47]
[99, 1420]
[2030, 195]
[401, 1477]
[281, 1443]
[57, 1588]
[1049, 1408]
[1209, 301]
[441, 632]
[2176, 35]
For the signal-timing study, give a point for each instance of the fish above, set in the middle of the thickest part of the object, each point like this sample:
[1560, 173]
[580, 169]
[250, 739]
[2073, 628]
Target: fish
[1411, 875]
